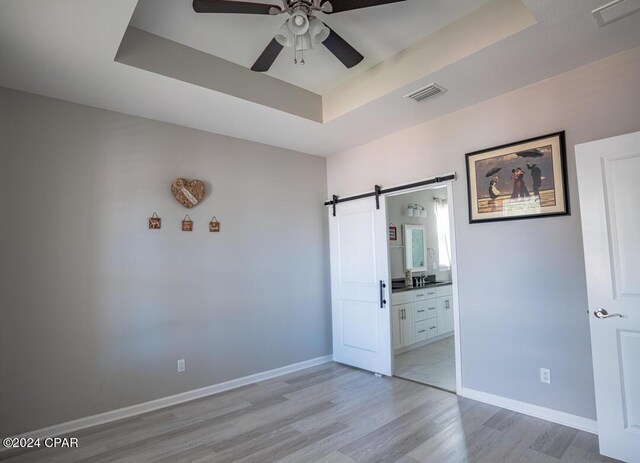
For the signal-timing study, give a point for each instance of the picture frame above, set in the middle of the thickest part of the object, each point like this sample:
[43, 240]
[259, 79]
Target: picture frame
[526, 179]
[214, 225]
[155, 222]
[187, 224]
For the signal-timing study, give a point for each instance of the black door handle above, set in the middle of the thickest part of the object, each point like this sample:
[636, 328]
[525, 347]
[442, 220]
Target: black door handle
[382, 300]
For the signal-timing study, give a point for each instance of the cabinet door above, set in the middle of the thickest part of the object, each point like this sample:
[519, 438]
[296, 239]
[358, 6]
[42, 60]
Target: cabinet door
[445, 314]
[421, 330]
[396, 323]
[448, 310]
[408, 336]
[432, 328]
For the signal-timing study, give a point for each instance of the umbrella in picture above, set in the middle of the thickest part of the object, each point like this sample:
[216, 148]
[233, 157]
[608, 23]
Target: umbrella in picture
[493, 171]
[534, 153]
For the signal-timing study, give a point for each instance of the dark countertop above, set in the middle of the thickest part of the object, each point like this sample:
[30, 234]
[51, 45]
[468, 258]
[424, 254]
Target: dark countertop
[412, 288]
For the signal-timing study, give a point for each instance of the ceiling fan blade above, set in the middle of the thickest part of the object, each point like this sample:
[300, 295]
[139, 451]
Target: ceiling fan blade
[346, 5]
[268, 56]
[342, 50]
[226, 6]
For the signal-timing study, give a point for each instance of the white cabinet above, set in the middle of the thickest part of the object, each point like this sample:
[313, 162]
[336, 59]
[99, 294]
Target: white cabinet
[424, 309]
[444, 303]
[405, 297]
[402, 325]
[445, 314]
[420, 311]
[421, 314]
[396, 330]
[421, 330]
[408, 335]
[424, 293]
[432, 328]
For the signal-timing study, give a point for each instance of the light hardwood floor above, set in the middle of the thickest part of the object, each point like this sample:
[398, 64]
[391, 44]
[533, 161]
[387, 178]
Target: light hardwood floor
[330, 414]
[433, 364]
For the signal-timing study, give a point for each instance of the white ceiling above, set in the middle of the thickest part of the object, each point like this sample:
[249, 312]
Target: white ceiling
[377, 33]
[66, 48]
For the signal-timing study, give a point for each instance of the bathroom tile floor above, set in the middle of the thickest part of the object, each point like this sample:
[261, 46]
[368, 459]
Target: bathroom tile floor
[433, 364]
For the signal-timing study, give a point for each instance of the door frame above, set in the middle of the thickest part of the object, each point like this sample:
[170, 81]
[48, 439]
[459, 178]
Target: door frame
[454, 274]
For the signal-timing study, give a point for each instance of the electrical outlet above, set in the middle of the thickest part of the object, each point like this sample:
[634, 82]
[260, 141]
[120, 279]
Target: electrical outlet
[545, 375]
[181, 365]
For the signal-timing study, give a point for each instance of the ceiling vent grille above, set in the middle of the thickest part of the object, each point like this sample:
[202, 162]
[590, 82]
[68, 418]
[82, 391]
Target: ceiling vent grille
[615, 10]
[424, 93]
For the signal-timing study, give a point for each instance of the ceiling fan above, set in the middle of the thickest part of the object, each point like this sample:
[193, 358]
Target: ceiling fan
[301, 30]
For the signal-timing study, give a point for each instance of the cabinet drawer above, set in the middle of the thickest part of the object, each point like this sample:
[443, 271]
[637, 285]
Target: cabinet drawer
[432, 327]
[403, 297]
[420, 311]
[421, 331]
[425, 309]
[424, 294]
[444, 290]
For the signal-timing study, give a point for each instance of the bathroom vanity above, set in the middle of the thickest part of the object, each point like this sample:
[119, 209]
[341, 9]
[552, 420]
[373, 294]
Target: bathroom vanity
[421, 315]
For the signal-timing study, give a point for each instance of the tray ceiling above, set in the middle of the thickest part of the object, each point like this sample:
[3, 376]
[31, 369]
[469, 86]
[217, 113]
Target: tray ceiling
[66, 49]
[378, 33]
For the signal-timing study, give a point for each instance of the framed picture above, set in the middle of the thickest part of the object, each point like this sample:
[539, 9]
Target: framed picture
[521, 180]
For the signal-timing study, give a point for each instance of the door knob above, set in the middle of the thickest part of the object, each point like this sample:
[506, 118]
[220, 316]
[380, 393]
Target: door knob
[602, 314]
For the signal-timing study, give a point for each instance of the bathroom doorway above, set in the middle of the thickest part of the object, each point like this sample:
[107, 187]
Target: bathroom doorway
[422, 269]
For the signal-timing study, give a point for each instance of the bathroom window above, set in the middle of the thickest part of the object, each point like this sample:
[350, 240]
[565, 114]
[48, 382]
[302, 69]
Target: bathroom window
[444, 239]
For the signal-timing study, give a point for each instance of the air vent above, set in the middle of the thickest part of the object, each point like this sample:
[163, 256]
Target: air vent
[424, 93]
[615, 10]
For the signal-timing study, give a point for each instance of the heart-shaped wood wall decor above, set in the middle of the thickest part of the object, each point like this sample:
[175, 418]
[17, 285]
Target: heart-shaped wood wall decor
[188, 192]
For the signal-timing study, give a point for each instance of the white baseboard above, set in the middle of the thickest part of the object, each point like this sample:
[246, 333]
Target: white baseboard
[555, 416]
[127, 412]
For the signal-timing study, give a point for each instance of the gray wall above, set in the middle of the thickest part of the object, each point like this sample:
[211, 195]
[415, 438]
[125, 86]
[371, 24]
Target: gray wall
[96, 308]
[523, 301]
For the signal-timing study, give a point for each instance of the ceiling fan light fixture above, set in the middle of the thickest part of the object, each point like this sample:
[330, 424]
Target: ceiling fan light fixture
[298, 23]
[318, 31]
[326, 7]
[284, 36]
[303, 42]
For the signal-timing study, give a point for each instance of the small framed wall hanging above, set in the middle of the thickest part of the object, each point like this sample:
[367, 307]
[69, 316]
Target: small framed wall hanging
[188, 192]
[155, 222]
[187, 224]
[393, 232]
[214, 225]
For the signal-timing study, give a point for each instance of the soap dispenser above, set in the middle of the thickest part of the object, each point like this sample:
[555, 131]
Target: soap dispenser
[407, 278]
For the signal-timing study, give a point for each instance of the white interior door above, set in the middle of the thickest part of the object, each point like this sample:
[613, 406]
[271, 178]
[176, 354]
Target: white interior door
[609, 183]
[360, 303]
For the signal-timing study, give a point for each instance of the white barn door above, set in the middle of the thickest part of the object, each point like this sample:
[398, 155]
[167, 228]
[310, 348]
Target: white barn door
[359, 285]
[608, 173]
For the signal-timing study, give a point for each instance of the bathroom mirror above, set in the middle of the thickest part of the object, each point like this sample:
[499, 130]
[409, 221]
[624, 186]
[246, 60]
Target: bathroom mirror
[415, 247]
